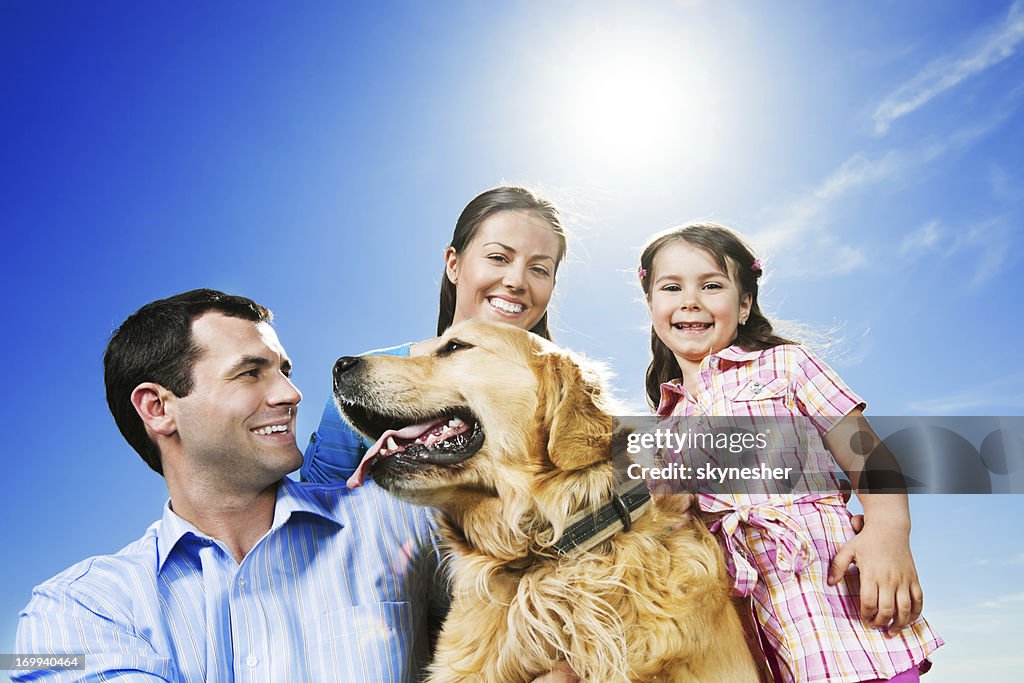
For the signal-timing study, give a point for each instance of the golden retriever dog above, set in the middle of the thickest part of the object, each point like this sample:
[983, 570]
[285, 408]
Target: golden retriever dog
[511, 439]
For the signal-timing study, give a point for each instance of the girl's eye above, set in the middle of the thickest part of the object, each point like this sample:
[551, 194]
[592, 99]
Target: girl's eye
[712, 285]
[670, 288]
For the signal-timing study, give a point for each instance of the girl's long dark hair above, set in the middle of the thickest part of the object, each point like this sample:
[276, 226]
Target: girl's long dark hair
[484, 205]
[734, 256]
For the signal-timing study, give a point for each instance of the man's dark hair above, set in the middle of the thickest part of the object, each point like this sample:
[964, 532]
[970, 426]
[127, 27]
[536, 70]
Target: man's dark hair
[155, 344]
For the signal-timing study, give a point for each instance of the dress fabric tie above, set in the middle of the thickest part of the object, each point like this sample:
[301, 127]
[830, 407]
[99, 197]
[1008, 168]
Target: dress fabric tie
[775, 518]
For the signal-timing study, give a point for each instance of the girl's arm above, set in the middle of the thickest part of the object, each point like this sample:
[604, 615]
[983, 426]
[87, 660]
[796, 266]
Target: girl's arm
[890, 594]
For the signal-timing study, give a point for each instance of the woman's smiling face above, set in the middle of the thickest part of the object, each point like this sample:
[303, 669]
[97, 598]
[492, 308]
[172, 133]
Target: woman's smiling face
[507, 271]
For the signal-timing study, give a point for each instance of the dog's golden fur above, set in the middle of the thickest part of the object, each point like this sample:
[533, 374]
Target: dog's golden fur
[652, 603]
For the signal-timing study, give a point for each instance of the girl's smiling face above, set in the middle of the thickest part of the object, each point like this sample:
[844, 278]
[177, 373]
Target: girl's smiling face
[695, 307]
[507, 271]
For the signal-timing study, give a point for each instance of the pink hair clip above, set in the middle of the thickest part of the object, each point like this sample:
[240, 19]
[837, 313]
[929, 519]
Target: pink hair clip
[642, 272]
[757, 266]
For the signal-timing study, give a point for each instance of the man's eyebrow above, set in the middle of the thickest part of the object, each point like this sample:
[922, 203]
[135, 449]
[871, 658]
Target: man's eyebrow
[510, 249]
[248, 362]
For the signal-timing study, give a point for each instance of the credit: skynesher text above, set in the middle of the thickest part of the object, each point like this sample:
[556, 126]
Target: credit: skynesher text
[708, 472]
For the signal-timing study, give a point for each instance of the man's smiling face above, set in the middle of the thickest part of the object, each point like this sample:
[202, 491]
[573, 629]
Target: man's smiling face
[238, 422]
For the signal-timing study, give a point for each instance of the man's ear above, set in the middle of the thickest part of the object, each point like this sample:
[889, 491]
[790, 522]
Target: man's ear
[451, 264]
[154, 404]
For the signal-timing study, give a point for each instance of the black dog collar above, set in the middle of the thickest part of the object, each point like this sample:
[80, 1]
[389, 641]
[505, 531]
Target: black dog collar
[588, 528]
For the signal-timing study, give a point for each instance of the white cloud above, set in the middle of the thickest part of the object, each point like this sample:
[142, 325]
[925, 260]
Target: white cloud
[1005, 186]
[801, 227]
[984, 50]
[1005, 392]
[923, 239]
[995, 249]
[1003, 601]
[991, 242]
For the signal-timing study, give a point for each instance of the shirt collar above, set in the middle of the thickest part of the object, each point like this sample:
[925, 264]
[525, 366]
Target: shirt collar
[737, 355]
[291, 498]
[673, 391]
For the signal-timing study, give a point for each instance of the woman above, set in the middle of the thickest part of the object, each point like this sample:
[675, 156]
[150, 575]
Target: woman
[500, 266]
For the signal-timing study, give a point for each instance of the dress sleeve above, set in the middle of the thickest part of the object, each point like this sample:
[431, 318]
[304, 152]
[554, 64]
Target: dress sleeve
[61, 620]
[820, 394]
[335, 449]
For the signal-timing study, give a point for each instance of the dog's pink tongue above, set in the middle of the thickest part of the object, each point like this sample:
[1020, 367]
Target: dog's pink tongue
[409, 433]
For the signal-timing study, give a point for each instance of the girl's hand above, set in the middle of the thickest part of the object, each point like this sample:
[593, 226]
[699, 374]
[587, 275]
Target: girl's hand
[890, 593]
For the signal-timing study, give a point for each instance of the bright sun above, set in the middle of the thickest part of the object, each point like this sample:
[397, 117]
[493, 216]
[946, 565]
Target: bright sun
[637, 102]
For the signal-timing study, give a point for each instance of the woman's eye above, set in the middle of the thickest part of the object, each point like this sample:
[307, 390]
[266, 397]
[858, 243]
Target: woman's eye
[498, 258]
[541, 271]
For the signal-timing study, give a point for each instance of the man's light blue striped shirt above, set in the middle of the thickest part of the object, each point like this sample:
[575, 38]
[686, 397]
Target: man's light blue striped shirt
[337, 590]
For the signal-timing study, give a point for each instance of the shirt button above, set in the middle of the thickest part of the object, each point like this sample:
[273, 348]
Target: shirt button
[242, 583]
[251, 661]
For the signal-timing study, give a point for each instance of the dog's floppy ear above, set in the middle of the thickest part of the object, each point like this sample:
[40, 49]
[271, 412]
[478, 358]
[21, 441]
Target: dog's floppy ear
[579, 433]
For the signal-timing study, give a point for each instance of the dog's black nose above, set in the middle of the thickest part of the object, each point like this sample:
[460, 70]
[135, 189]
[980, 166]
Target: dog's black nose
[343, 365]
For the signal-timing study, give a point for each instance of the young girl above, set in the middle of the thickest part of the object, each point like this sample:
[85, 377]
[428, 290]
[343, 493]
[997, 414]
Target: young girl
[715, 354]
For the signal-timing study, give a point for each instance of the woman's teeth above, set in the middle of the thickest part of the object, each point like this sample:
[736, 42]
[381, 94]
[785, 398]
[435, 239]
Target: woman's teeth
[506, 306]
[266, 431]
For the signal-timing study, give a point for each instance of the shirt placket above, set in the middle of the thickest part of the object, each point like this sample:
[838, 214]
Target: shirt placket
[217, 571]
[704, 397]
[250, 632]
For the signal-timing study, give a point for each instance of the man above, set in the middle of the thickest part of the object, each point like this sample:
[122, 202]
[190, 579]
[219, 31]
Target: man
[247, 575]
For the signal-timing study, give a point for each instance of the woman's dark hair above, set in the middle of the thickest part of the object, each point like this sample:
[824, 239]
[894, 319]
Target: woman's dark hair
[155, 344]
[483, 206]
[735, 258]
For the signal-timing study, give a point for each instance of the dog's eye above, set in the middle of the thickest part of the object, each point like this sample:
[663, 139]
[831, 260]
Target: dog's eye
[452, 346]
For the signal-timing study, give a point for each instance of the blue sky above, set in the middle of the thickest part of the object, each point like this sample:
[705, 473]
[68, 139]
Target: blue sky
[314, 156]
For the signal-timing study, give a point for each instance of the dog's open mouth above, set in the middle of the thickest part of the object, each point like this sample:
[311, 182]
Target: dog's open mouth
[446, 438]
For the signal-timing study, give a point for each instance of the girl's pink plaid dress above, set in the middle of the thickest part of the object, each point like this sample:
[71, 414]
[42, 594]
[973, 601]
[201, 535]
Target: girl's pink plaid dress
[779, 547]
